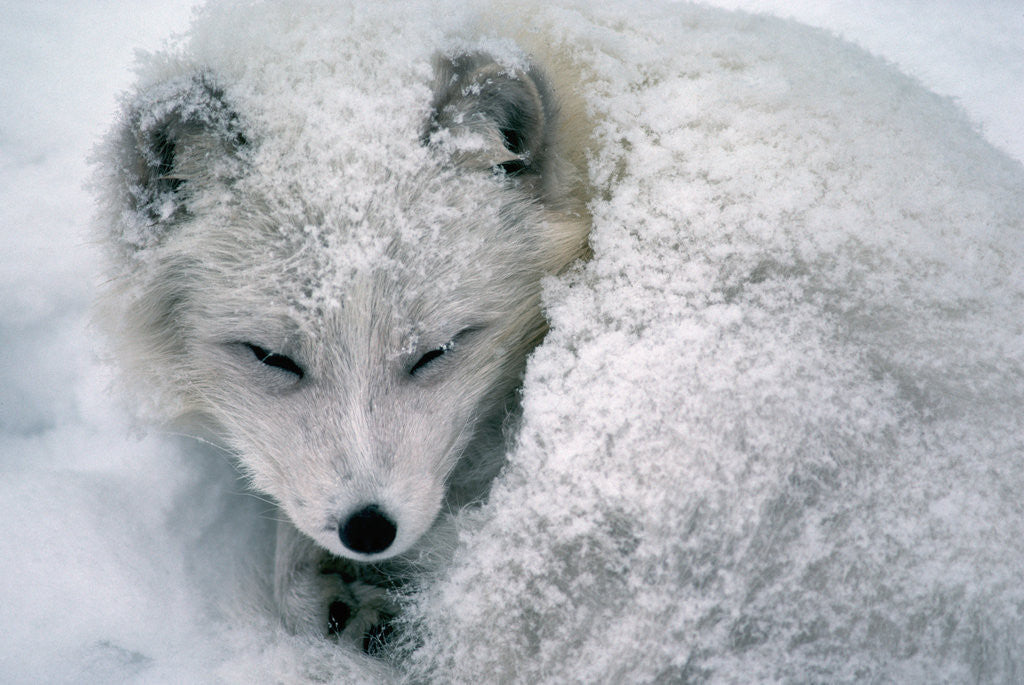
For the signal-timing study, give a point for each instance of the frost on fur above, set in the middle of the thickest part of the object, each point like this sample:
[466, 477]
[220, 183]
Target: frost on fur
[773, 433]
[357, 341]
[179, 135]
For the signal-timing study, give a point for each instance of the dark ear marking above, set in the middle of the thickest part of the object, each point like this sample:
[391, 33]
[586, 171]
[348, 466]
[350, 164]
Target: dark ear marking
[513, 167]
[161, 177]
[176, 133]
[513, 139]
[491, 116]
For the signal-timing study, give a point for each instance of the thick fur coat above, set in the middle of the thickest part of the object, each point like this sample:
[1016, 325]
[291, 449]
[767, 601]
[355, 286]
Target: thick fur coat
[773, 430]
[351, 315]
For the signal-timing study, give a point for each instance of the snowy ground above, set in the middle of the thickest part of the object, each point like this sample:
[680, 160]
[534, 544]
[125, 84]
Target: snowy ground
[108, 562]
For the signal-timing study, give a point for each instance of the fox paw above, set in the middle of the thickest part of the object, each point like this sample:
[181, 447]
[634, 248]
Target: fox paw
[363, 618]
[339, 623]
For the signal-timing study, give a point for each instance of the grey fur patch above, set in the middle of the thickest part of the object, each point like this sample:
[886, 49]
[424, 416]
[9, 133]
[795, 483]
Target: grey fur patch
[495, 115]
[170, 135]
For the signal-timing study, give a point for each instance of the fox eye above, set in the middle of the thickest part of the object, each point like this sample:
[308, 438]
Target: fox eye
[278, 361]
[429, 357]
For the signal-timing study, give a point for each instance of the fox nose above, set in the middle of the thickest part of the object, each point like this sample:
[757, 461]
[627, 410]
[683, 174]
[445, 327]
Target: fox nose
[368, 531]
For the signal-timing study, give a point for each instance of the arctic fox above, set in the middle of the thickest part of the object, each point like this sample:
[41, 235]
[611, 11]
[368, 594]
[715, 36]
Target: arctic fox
[352, 320]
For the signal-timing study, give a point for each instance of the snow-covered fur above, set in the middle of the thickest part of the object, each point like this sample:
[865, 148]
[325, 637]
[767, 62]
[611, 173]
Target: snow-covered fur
[350, 314]
[773, 431]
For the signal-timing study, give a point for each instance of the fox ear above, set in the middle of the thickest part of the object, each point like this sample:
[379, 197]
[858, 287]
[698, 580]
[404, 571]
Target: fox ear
[491, 116]
[176, 137]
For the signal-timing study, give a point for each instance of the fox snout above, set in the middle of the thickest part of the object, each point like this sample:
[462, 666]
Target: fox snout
[368, 530]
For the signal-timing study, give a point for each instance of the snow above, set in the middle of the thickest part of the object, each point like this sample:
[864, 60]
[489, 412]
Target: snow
[774, 433]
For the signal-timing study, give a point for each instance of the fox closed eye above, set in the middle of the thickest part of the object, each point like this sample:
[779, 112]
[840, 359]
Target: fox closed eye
[433, 355]
[275, 360]
[427, 358]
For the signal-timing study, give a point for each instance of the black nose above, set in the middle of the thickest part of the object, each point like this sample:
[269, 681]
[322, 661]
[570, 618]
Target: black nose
[367, 531]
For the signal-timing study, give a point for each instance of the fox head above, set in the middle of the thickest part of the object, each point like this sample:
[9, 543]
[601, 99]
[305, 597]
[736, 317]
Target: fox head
[350, 313]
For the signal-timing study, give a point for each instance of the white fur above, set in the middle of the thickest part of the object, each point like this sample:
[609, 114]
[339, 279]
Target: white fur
[235, 221]
[773, 434]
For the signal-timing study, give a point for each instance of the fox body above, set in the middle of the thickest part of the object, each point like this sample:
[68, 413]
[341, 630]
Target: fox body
[340, 279]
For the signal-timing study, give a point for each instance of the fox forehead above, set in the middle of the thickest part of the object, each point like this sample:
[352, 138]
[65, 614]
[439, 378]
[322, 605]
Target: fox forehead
[411, 290]
[453, 257]
[364, 307]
